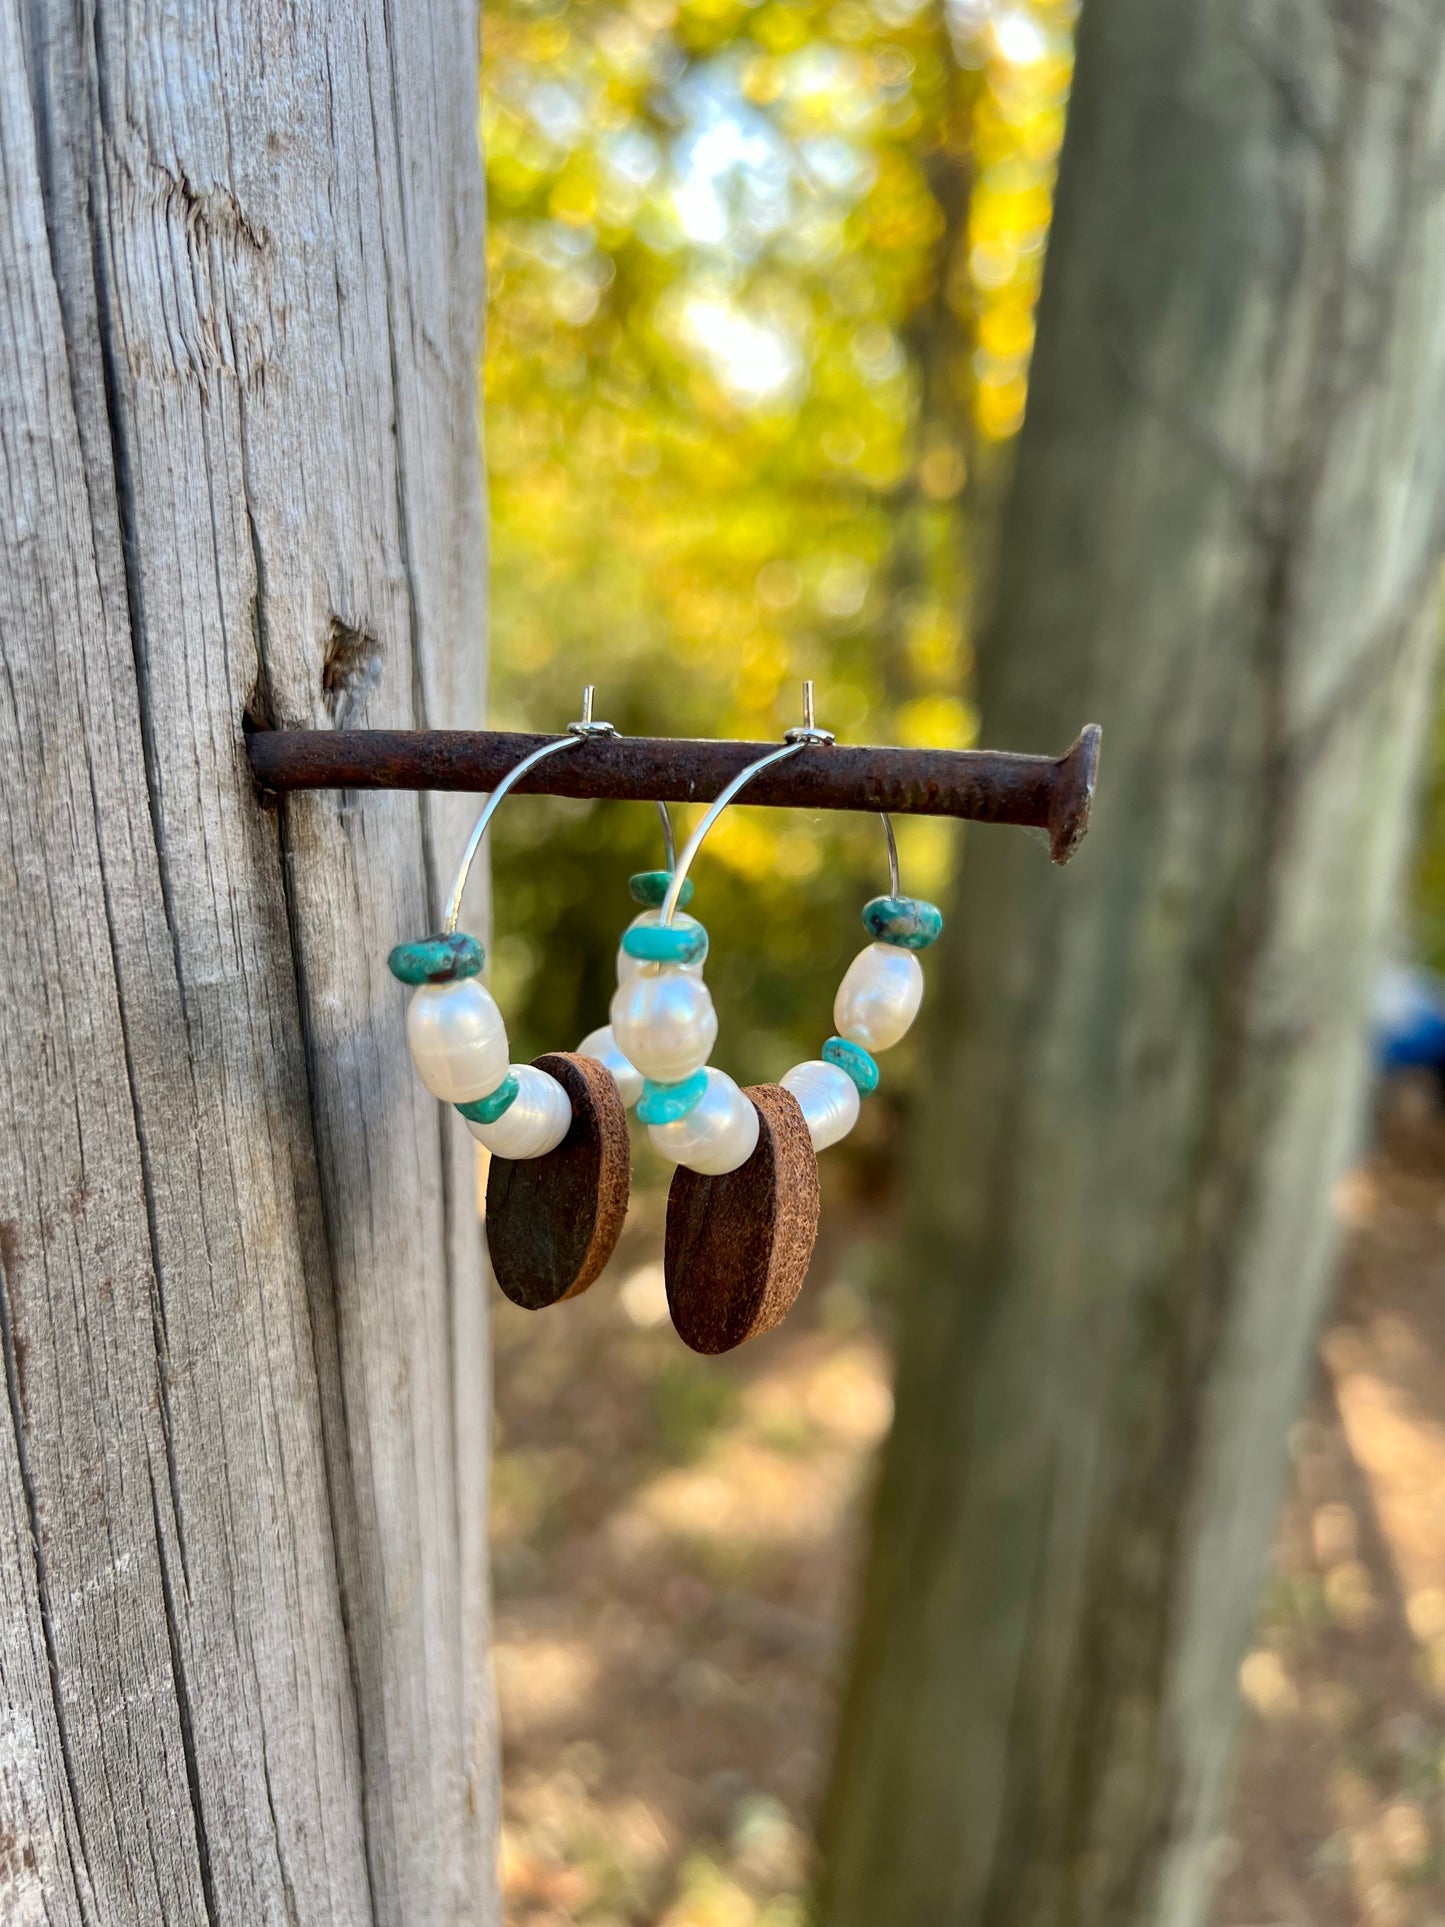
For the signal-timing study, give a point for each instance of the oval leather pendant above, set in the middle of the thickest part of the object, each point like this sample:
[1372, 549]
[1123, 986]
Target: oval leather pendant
[554, 1221]
[738, 1246]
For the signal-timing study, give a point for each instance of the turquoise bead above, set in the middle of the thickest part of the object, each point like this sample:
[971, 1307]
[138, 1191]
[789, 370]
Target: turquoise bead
[674, 943]
[908, 922]
[853, 1059]
[486, 1110]
[667, 1103]
[437, 960]
[649, 887]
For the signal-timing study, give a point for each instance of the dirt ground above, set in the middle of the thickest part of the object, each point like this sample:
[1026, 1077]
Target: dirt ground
[1337, 1818]
[676, 1541]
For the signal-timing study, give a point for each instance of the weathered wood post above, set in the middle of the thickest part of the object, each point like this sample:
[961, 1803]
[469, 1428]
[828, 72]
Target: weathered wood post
[242, 1584]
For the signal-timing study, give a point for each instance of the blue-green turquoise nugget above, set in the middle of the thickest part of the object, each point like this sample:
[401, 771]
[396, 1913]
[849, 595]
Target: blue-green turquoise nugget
[437, 960]
[853, 1059]
[649, 887]
[666, 1103]
[486, 1110]
[674, 943]
[908, 922]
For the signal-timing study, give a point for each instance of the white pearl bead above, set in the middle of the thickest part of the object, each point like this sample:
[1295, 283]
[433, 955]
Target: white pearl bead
[535, 1122]
[602, 1045]
[664, 1023]
[629, 966]
[718, 1135]
[458, 1040]
[828, 1099]
[879, 996]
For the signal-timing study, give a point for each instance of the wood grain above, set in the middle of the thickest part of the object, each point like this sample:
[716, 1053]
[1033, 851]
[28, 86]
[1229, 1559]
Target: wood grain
[242, 1478]
[738, 1246]
[553, 1222]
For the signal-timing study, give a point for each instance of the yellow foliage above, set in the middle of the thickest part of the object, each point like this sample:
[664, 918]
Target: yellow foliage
[720, 459]
[937, 722]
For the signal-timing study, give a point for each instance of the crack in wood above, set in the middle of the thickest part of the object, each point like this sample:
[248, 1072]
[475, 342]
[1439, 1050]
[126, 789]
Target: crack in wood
[184, 1716]
[73, 1814]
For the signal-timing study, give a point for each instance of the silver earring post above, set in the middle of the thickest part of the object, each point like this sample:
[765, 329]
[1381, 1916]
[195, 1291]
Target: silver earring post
[809, 731]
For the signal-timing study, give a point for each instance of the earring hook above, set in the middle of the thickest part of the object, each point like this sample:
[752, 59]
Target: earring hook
[794, 740]
[582, 731]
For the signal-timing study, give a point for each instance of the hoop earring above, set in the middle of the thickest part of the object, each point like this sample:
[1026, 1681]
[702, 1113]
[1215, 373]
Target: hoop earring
[557, 1188]
[741, 1225]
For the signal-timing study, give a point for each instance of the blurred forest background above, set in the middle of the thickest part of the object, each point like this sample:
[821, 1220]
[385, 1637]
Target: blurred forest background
[762, 281]
[761, 284]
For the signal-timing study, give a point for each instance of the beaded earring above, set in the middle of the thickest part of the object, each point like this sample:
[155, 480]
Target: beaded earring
[557, 1188]
[738, 1245]
[742, 1213]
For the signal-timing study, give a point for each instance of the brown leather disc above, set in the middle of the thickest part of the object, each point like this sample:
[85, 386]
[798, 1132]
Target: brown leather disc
[738, 1246]
[554, 1221]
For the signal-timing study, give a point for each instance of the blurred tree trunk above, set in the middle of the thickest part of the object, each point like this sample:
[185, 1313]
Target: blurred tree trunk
[927, 508]
[1223, 545]
[242, 1583]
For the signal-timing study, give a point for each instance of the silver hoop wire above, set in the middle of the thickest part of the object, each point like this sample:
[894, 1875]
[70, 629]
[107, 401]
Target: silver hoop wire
[582, 731]
[669, 842]
[795, 741]
[807, 736]
[895, 884]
